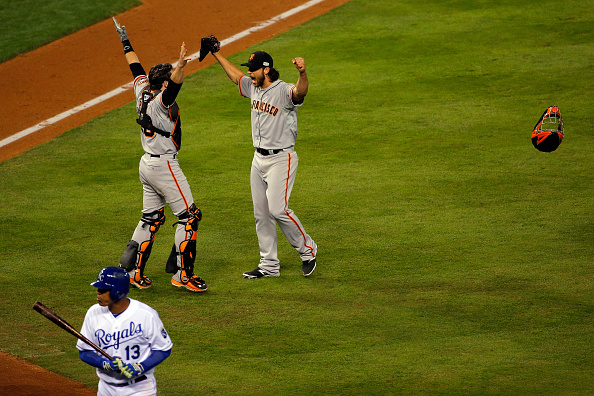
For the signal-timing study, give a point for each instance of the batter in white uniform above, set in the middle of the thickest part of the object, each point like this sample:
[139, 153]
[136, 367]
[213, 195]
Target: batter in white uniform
[274, 107]
[129, 331]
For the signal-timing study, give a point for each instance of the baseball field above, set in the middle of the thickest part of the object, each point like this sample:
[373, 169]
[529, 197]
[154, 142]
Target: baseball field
[454, 258]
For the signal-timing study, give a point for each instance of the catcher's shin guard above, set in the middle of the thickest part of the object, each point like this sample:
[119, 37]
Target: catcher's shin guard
[171, 266]
[182, 256]
[130, 256]
[137, 253]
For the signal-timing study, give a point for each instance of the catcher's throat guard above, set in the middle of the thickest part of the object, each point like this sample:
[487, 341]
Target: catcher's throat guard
[549, 131]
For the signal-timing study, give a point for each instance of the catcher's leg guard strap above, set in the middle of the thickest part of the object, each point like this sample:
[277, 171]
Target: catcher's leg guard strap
[154, 219]
[192, 213]
[139, 248]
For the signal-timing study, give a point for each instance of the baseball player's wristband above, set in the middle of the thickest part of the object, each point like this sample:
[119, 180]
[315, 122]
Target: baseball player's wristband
[127, 46]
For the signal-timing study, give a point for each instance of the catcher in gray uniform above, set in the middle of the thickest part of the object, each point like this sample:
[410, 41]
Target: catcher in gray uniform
[162, 178]
[274, 105]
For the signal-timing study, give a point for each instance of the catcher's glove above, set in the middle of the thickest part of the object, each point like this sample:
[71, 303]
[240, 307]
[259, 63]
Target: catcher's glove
[208, 44]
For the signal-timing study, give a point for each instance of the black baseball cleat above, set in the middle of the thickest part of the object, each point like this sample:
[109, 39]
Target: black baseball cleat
[195, 284]
[143, 282]
[258, 273]
[308, 267]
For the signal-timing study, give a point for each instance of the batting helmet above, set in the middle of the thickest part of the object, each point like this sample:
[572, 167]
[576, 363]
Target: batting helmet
[116, 280]
[548, 132]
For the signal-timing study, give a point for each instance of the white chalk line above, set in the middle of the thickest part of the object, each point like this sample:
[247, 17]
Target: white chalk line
[125, 87]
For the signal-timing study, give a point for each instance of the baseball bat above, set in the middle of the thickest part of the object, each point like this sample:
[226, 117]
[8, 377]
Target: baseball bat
[45, 311]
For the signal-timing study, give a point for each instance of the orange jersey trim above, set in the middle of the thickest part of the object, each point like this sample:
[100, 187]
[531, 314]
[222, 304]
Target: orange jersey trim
[141, 76]
[239, 85]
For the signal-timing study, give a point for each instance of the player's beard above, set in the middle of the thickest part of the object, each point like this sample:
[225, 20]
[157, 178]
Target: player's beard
[258, 81]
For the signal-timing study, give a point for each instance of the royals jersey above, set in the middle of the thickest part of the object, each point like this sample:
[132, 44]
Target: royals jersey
[161, 117]
[274, 114]
[131, 336]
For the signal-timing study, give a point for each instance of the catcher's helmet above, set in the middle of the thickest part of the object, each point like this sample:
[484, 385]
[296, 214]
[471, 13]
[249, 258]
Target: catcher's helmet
[115, 279]
[548, 132]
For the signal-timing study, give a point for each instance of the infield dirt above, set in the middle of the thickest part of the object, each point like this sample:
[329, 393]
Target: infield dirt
[89, 63]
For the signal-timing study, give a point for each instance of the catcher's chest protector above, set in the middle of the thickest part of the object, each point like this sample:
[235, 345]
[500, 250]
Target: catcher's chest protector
[145, 121]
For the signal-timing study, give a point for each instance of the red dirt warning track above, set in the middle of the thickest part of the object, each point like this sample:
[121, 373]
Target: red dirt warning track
[75, 69]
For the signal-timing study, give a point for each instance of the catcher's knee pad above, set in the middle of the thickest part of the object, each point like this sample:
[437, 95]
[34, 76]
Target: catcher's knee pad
[187, 248]
[154, 220]
[137, 253]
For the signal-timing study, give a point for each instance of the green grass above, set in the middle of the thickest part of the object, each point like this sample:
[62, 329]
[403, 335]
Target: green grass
[454, 257]
[29, 24]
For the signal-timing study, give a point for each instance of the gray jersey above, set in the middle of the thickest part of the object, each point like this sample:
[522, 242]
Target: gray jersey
[153, 143]
[274, 114]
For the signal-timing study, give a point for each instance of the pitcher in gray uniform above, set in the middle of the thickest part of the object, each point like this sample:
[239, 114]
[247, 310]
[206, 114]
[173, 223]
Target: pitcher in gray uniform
[274, 108]
[160, 173]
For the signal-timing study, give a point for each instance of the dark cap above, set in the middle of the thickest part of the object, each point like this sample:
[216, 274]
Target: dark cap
[258, 60]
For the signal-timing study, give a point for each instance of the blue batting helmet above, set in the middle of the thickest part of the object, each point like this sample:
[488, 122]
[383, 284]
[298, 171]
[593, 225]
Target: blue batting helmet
[115, 279]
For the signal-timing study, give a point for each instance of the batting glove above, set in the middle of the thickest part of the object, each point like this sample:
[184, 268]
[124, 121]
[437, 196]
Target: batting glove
[131, 369]
[121, 30]
[113, 365]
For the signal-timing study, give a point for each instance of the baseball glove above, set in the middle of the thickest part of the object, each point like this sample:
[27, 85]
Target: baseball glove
[208, 44]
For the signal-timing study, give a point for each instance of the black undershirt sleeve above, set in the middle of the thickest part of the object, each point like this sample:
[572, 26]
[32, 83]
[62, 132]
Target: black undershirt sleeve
[137, 69]
[170, 93]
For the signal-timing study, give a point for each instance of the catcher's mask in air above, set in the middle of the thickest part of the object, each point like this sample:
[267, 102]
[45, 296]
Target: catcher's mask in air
[548, 132]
